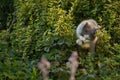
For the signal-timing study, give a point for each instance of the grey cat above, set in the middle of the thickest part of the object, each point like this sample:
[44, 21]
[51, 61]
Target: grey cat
[85, 32]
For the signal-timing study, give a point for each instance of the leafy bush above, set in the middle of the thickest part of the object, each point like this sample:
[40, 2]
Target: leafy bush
[36, 28]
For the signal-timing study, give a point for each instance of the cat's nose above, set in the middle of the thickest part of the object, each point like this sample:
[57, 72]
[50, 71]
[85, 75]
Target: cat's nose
[96, 28]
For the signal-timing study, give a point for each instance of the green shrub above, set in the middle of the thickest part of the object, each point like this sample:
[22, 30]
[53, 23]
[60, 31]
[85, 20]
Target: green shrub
[37, 28]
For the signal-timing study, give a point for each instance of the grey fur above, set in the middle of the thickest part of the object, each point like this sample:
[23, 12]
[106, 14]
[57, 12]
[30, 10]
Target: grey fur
[92, 23]
[85, 32]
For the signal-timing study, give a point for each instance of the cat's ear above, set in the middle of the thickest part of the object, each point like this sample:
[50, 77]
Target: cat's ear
[86, 24]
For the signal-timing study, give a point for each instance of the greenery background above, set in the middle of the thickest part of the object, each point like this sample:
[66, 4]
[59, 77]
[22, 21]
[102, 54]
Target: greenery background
[32, 28]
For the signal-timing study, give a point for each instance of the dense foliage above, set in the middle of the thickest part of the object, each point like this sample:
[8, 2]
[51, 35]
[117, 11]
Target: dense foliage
[32, 28]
